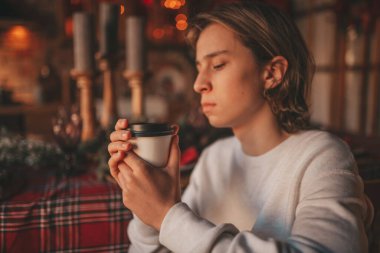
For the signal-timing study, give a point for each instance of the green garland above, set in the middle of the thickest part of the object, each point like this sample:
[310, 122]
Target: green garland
[16, 151]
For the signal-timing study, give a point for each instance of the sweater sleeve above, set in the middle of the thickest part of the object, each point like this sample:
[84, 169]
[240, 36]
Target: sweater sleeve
[333, 212]
[323, 224]
[194, 234]
[330, 217]
[143, 238]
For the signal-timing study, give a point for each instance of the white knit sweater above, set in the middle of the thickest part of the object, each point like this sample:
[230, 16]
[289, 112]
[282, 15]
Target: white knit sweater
[302, 196]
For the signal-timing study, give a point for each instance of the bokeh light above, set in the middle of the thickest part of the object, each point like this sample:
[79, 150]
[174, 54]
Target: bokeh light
[173, 4]
[180, 16]
[158, 33]
[122, 9]
[181, 25]
[18, 38]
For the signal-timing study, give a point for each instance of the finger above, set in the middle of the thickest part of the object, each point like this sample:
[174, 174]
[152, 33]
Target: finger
[113, 162]
[114, 147]
[120, 135]
[135, 162]
[122, 182]
[125, 169]
[125, 176]
[121, 124]
[174, 158]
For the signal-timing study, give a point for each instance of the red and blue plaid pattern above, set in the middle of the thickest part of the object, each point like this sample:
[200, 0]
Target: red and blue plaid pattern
[66, 214]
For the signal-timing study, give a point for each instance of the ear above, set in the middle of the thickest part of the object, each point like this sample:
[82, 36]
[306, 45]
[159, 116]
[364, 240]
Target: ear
[274, 72]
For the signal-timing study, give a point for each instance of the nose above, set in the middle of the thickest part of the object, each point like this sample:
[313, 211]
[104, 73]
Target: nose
[202, 84]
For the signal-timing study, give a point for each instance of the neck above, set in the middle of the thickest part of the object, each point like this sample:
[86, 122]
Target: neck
[261, 133]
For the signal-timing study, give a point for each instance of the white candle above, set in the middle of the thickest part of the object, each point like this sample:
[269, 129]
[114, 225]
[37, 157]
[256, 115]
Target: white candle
[135, 43]
[84, 61]
[108, 27]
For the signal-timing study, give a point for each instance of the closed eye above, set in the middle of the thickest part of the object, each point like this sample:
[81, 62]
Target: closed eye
[218, 66]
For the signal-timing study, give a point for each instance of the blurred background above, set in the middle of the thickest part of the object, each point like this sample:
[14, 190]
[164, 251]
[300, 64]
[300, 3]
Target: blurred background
[37, 58]
[70, 68]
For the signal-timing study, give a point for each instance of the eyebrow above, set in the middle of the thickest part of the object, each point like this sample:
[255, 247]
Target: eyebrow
[213, 54]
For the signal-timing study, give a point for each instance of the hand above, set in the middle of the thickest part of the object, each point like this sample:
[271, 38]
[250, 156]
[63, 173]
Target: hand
[118, 147]
[147, 191]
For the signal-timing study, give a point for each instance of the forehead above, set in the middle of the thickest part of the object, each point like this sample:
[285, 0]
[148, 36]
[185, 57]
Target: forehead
[216, 37]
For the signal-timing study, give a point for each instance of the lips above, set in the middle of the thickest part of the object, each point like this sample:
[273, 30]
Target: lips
[207, 106]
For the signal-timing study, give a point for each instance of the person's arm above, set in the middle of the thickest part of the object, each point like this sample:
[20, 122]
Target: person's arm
[329, 218]
[143, 238]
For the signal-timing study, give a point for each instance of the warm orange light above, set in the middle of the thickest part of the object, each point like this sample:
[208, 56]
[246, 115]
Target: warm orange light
[174, 4]
[69, 27]
[181, 25]
[122, 9]
[18, 38]
[167, 4]
[177, 5]
[180, 17]
[158, 33]
[19, 32]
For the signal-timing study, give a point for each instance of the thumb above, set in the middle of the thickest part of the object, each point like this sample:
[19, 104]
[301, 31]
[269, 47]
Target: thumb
[174, 158]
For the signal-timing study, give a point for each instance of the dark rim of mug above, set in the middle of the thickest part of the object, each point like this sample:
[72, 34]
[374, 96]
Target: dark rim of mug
[150, 129]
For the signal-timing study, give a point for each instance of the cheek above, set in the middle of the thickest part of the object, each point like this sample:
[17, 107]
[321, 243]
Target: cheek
[248, 87]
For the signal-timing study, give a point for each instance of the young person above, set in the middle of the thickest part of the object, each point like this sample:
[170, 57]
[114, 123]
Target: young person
[276, 185]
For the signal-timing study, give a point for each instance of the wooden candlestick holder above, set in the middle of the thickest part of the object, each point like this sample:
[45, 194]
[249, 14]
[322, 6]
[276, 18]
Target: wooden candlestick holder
[109, 112]
[87, 109]
[135, 80]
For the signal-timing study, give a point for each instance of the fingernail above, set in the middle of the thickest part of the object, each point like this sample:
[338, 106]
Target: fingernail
[121, 121]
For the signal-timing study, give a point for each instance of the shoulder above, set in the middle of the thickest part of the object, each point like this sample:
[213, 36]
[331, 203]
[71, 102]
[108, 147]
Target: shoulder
[320, 138]
[321, 143]
[324, 153]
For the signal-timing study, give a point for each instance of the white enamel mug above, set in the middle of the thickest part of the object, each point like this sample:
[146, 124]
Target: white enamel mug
[152, 142]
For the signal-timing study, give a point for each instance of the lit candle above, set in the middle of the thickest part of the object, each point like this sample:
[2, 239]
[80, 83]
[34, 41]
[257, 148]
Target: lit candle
[84, 61]
[108, 26]
[135, 43]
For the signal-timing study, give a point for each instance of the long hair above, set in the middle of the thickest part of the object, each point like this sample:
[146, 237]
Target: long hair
[268, 33]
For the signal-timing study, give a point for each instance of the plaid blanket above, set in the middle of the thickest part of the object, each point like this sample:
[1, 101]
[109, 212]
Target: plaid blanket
[64, 214]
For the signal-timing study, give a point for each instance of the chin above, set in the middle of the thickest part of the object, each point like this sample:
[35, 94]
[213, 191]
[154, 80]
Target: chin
[218, 123]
